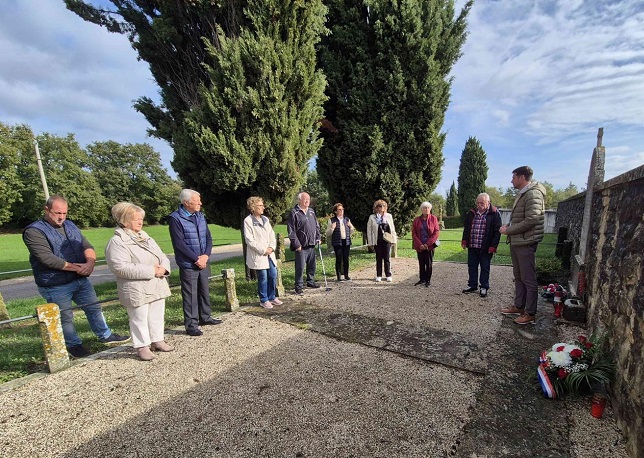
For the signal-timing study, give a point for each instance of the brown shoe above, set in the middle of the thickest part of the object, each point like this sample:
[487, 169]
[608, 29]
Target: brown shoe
[145, 354]
[524, 319]
[161, 346]
[512, 310]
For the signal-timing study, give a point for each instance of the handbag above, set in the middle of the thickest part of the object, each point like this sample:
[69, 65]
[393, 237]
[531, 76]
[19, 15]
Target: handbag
[388, 237]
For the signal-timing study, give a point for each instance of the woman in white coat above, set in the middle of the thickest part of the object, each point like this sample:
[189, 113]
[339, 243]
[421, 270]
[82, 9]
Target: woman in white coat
[381, 234]
[260, 248]
[141, 271]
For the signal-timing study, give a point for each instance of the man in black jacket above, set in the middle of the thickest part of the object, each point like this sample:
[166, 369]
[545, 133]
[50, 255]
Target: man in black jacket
[481, 237]
[304, 234]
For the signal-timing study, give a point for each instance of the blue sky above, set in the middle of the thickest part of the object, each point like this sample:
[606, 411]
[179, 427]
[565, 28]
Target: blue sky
[536, 80]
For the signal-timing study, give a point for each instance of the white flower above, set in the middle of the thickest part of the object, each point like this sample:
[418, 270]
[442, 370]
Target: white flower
[557, 345]
[559, 358]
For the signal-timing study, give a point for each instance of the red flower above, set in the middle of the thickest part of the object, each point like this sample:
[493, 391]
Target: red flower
[562, 374]
[582, 339]
[560, 348]
[588, 345]
[576, 353]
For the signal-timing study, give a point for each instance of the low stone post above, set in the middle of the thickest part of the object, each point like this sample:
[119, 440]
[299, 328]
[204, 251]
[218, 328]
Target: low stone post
[53, 340]
[4, 314]
[231, 292]
[279, 248]
[279, 285]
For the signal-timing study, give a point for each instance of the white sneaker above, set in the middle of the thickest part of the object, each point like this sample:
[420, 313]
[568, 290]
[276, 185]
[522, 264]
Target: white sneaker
[389, 279]
[266, 305]
[378, 279]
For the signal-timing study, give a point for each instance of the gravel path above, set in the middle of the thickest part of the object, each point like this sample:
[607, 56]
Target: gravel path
[258, 387]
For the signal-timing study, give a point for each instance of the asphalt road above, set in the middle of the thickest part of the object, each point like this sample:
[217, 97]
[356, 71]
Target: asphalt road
[25, 288]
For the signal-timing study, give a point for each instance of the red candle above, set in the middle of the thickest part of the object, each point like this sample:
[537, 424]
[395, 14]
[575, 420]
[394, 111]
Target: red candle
[598, 405]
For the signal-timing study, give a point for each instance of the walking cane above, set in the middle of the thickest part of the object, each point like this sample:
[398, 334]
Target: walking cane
[323, 270]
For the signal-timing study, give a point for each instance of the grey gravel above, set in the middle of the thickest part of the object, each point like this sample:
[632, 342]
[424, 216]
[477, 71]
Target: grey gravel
[257, 387]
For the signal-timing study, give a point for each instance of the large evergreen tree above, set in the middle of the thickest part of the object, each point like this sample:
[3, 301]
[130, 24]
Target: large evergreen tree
[241, 97]
[451, 203]
[257, 127]
[472, 173]
[387, 65]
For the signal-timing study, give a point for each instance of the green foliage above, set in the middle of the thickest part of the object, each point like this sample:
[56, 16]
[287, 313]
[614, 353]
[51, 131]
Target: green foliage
[256, 129]
[451, 203]
[319, 195]
[388, 67]
[453, 222]
[66, 168]
[472, 173]
[133, 173]
[496, 196]
[15, 142]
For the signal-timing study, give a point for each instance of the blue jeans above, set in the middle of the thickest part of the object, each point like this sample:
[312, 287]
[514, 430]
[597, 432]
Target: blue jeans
[266, 281]
[476, 257]
[81, 292]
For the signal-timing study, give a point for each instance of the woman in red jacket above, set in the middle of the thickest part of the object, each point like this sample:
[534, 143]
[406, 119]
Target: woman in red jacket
[425, 234]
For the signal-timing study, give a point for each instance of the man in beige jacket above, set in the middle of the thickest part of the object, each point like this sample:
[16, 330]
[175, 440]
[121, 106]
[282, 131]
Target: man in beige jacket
[527, 225]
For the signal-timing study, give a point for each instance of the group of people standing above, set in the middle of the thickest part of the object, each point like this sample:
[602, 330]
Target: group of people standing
[62, 258]
[481, 236]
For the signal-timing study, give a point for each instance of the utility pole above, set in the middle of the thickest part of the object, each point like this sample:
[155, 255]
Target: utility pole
[41, 170]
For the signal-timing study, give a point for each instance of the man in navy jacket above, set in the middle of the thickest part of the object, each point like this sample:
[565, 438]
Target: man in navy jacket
[192, 243]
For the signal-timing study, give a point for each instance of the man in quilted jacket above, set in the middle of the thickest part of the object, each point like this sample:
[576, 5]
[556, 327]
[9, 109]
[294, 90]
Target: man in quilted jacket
[527, 225]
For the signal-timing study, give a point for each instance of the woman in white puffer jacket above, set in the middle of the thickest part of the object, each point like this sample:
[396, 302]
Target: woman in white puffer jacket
[141, 270]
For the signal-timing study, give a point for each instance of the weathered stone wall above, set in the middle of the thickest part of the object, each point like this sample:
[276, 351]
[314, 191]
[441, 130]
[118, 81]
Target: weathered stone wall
[615, 274]
[550, 219]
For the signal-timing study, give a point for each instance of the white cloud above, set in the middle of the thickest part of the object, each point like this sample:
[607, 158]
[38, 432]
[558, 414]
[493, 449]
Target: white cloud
[539, 78]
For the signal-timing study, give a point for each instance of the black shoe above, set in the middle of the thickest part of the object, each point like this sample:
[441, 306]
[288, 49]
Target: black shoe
[483, 292]
[427, 284]
[470, 290]
[347, 278]
[312, 285]
[194, 332]
[211, 321]
[299, 292]
[77, 351]
[115, 340]
[419, 282]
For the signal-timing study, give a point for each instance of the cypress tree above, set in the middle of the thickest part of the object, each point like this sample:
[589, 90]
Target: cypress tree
[452, 201]
[388, 67]
[472, 173]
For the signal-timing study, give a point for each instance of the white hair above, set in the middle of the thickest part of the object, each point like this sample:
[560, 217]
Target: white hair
[484, 194]
[425, 205]
[186, 194]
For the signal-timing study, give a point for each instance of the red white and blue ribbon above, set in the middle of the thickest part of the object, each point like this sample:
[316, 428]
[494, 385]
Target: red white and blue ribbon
[544, 380]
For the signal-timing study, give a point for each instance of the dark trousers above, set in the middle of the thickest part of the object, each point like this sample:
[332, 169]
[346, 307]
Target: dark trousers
[195, 293]
[342, 259]
[382, 257]
[304, 257]
[526, 289]
[425, 261]
[477, 257]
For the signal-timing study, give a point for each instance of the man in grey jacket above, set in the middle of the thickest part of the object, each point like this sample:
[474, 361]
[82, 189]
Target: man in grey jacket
[304, 234]
[527, 225]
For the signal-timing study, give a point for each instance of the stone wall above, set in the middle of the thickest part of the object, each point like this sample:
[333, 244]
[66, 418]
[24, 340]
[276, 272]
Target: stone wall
[550, 219]
[615, 291]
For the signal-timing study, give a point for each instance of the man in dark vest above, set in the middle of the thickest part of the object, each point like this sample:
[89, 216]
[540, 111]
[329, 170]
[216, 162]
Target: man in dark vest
[62, 260]
[192, 243]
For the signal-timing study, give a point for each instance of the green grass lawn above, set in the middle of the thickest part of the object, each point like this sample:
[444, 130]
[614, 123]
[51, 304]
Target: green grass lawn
[21, 349]
[15, 256]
